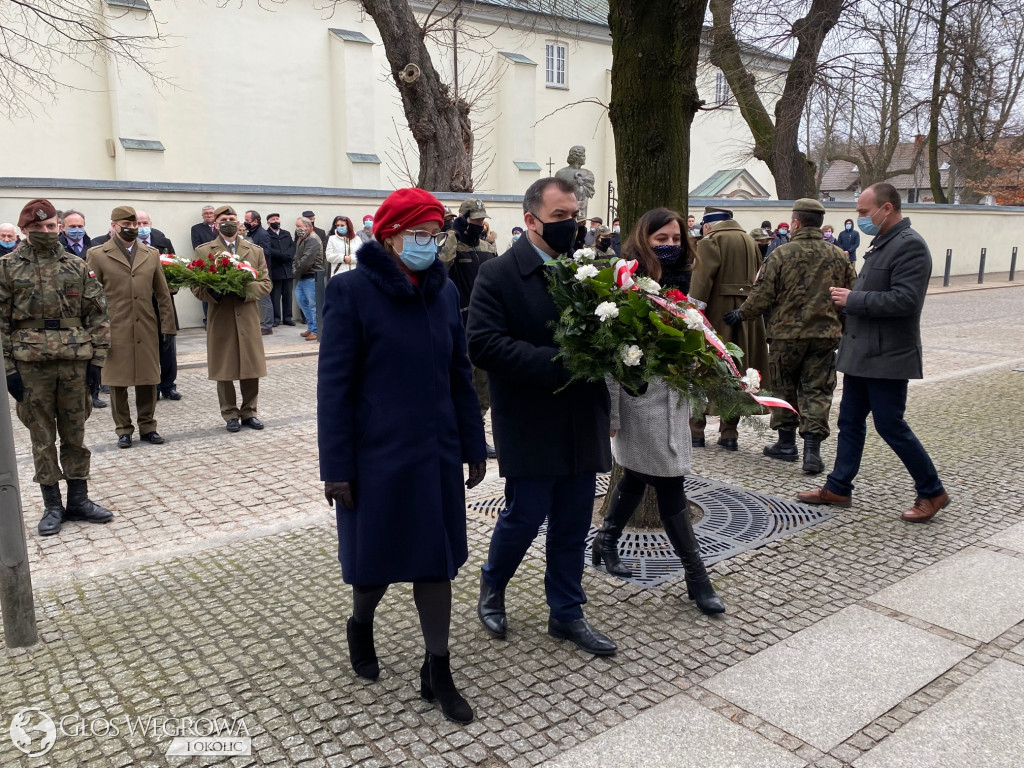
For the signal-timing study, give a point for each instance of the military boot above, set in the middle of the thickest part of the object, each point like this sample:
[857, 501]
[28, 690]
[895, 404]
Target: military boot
[53, 510]
[785, 448]
[81, 508]
[606, 543]
[813, 464]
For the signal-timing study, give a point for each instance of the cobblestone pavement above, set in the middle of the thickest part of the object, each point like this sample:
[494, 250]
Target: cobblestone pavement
[216, 590]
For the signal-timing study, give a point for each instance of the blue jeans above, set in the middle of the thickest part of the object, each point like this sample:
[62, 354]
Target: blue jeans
[886, 401]
[305, 294]
[568, 504]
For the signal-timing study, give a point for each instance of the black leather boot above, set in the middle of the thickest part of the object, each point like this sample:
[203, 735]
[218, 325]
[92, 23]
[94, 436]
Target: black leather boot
[436, 683]
[698, 584]
[785, 447]
[81, 508]
[361, 652]
[606, 542]
[490, 608]
[813, 464]
[53, 510]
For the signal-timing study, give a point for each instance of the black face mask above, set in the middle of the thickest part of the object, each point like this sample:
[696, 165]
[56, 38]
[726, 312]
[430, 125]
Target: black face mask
[559, 235]
[668, 253]
[604, 243]
[275, 226]
[474, 230]
[129, 234]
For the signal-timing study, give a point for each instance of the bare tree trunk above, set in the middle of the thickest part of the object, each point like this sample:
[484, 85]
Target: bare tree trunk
[935, 110]
[776, 143]
[439, 122]
[655, 52]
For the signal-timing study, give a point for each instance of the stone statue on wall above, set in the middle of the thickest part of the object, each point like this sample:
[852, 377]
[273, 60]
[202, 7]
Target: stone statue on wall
[581, 179]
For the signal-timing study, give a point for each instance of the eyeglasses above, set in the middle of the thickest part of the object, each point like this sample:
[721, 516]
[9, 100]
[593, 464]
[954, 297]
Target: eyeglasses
[422, 237]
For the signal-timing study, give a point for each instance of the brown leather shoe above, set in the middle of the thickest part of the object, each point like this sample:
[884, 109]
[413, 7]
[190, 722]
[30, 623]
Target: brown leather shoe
[311, 337]
[824, 496]
[305, 333]
[925, 509]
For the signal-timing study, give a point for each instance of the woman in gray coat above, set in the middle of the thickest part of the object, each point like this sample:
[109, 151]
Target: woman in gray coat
[650, 430]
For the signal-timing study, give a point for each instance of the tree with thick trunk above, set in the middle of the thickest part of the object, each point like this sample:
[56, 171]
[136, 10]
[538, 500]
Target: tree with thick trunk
[655, 53]
[438, 120]
[776, 141]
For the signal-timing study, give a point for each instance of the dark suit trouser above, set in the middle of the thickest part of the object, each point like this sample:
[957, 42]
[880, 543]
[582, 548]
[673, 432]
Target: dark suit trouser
[726, 427]
[145, 404]
[568, 504]
[886, 401]
[281, 298]
[168, 364]
[229, 408]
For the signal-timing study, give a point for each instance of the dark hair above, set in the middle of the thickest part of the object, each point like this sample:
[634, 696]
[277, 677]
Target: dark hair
[637, 245]
[255, 216]
[535, 192]
[848, 221]
[809, 218]
[886, 193]
[350, 233]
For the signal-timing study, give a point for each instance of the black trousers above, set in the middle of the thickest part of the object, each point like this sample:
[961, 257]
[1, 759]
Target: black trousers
[669, 490]
[168, 364]
[281, 298]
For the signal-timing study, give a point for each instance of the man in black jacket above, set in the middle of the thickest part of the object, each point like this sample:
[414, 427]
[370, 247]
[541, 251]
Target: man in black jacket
[204, 231]
[256, 233]
[551, 438]
[879, 351]
[319, 232]
[279, 262]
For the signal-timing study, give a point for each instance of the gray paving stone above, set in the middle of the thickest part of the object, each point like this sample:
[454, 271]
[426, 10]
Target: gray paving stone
[979, 724]
[825, 683]
[680, 733]
[975, 592]
[1011, 538]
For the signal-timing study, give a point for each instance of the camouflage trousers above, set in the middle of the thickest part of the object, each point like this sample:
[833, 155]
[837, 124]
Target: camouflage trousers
[483, 394]
[56, 402]
[803, 372]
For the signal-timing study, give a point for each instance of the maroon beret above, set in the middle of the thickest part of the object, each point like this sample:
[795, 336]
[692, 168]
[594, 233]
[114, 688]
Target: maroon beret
[36, 210]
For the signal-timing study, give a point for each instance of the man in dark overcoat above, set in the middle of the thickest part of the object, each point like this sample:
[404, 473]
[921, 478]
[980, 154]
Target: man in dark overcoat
[725, 270]
[879, 351]
[551, 438]
[279, 259]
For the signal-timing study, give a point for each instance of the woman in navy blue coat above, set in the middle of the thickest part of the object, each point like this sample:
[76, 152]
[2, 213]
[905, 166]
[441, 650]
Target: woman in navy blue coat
[397, 418]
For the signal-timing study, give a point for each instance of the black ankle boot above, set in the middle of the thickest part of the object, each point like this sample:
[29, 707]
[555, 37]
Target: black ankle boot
[698, 585]
[360, 649]
[813, 465]
[81, 508]
[436, 682]
[606, 542]
[784, 448]
[53, 510]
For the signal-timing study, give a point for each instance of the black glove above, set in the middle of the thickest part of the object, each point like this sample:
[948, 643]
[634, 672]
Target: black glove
[16, 386]
[732, 317]
[92, 376]
[216, 296]
[477, 472]
[165, 338]
[340, 492]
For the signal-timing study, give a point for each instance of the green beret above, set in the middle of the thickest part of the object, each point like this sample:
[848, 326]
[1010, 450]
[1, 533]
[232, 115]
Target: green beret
[123, 213]
[808, 205]
[226, 210]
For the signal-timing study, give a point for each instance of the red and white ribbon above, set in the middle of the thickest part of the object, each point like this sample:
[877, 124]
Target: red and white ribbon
[166, 260]
[248, 268]
[624, 271]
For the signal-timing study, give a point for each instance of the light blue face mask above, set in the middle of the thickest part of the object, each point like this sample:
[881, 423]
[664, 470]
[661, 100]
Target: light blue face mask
[75, 233]
[515, 237]
[145, 232]
[415, 256]
[342, 229]
[8, 246]
[867, 225]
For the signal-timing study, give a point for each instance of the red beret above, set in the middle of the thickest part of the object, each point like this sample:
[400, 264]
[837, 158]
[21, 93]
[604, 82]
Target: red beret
[404, 207]
[36, 210]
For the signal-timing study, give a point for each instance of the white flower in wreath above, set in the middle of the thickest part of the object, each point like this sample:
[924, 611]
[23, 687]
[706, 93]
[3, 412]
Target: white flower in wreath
[693, 319]
[606, 310]
[751, 381]
[587, 270]
[584, 253]
[648, 285]
[631, 355]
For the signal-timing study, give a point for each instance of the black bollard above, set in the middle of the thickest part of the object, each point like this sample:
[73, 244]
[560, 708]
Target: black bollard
[949, 266]
[981, 267]
[1013, 264]
[320, 278]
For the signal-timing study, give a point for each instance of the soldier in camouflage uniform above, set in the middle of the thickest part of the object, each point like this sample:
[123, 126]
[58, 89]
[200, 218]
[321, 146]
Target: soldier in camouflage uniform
[55, 331]
[603, 243]
[803, 330]
[463, 253]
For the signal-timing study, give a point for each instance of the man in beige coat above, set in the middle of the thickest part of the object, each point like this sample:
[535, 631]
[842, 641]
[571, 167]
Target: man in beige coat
[727, 263]
[133, 280]
[234, 344]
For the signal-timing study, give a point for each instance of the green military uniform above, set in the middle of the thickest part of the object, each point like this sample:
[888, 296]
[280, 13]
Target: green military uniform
[804, 325]
[54, 325]
[463, 253]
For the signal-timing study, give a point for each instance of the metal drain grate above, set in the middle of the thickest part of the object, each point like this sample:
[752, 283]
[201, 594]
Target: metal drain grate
[735, 520]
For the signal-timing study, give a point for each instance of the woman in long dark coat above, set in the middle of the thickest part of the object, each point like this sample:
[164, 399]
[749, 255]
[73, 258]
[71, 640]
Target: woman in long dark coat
[397, 418]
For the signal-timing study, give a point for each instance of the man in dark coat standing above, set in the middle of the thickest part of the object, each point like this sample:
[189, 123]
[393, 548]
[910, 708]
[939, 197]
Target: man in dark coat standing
[255, 232]
[551, 438]
[879, 351]
[73, 236]
[324, 237]
[205, 230]
[279, 259]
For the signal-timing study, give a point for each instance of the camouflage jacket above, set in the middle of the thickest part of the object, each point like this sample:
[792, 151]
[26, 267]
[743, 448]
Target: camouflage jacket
[793, 285]
[52, 307]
